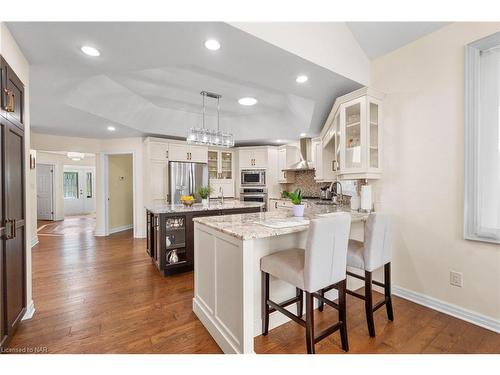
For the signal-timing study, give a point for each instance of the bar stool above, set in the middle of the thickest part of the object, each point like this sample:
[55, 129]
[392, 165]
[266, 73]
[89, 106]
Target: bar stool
[320, 265]
[374, 253]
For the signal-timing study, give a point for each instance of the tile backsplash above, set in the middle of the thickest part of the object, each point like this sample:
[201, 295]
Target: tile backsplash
[304, 180]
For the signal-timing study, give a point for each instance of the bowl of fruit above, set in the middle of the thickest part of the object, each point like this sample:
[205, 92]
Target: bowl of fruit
[187, 200]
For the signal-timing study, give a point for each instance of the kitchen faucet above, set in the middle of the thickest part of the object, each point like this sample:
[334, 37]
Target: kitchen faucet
[221, 195]
[340, 196]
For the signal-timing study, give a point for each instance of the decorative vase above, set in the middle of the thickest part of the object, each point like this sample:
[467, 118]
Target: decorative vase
[298, 210]
[204, 202]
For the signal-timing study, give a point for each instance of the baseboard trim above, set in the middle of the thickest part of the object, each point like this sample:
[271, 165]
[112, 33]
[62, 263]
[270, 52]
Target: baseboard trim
[448, 308]
[30, 311]
[121, 229]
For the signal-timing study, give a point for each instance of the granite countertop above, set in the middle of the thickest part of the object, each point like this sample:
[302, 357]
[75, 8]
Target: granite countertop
[180, 208]
[249, 226]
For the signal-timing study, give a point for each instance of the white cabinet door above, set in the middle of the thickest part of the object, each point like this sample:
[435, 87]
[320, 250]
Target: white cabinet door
[260, 158]
[159, 181]
[178, 152]
[318, 159]
[246, 159]
[227, 187]
[158, 151]
[198, 154]
[353, 141]
[281, 163]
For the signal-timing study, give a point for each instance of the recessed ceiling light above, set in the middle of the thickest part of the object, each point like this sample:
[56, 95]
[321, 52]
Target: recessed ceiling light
[212, 44]
[111, 128]
[247, 101]
[278, 141]
[90, 51]
[301, 79]
[303, 134]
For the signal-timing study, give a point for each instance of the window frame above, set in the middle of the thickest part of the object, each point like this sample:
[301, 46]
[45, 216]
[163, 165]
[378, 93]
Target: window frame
[472, 77]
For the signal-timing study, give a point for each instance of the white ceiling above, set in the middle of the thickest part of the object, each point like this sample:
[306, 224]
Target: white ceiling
[380, 38]
[149, 75]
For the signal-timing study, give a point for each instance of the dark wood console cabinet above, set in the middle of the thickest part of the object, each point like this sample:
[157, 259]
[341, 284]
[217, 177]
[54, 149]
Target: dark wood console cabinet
[179, 228]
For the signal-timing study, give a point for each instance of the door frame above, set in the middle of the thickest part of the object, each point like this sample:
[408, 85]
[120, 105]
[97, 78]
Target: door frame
[104, 200]
[53, 203]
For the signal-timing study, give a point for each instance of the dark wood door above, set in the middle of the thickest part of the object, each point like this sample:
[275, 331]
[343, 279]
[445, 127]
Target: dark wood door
[3, 325]
[14, 205]
[12, 96]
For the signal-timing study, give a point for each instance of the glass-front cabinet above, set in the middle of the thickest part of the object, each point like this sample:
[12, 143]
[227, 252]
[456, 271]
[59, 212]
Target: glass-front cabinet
[220, 172]
[353, 131]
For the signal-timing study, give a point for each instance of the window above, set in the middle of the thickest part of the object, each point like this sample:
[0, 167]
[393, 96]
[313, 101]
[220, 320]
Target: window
[89, 184]
[70, 182]
[482, 140]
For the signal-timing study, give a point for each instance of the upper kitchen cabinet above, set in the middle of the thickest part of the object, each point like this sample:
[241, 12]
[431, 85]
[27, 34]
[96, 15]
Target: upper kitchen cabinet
[12, 95]
[221, 172]
[187, 153]
[158, 151]
[351, 137]
[288, 155]
[253, 158]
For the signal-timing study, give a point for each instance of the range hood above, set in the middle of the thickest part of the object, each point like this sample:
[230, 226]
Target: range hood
[305, 163]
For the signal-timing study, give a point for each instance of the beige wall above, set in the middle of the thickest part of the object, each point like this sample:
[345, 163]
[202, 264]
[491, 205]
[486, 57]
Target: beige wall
[423, 180]
[120, 191]
[59, 161]
[13, 55]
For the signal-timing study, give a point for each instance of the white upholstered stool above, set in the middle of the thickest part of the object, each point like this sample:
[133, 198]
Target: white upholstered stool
[374, 253]
[320, 265]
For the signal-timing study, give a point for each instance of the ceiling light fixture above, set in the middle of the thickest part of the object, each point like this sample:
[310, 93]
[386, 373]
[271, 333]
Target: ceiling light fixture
[76, 156]
[90, 51]
[301, 79]
[248, 101]
[111, 128]
[279, 141]
[212, 44]
[303, 134]
[203, 136]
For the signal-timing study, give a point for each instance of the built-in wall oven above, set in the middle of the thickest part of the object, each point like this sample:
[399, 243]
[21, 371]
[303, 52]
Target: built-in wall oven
[254, 194]
[253, 177]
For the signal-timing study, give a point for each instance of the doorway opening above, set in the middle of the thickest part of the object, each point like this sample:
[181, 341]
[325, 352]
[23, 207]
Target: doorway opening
[119, 174]
[66, 189]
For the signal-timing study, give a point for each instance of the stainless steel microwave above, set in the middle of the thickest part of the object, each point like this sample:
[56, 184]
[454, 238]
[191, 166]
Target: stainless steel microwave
[253, 177]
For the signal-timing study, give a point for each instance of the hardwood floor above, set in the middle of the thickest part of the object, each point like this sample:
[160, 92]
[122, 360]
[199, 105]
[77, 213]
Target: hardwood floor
[103, 295]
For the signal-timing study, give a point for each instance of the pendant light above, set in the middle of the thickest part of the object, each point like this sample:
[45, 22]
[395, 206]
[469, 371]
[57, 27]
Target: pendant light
[204, 136]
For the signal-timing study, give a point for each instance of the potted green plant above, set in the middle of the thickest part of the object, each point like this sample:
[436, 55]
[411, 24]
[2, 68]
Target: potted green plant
[204, 193]
[296, 198]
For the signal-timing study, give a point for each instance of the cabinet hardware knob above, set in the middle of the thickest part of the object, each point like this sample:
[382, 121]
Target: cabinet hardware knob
[10, 106]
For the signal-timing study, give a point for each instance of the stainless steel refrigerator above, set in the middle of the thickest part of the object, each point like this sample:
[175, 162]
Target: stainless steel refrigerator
[185, 179]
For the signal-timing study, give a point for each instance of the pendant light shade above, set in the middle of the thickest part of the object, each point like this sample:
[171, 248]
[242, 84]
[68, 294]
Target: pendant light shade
[204, 136]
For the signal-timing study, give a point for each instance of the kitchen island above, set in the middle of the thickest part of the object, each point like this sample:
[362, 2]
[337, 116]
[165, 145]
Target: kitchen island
[227, 252]
[170, 230]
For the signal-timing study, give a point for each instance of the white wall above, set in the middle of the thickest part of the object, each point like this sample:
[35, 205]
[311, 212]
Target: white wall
[60, 161]
[99, 147]
[328, 44]
[423, 178]
[13, 55]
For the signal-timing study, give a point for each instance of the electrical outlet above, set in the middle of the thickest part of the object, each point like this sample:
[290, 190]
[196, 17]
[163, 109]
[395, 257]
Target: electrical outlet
[456, 278]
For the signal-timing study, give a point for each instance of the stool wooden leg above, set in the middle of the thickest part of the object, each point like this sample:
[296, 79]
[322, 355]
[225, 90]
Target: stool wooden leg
[265, 306]
[343, 314]
[300, 304]
[387, 291]
[369, 303]
[321, 305]
[310, 323]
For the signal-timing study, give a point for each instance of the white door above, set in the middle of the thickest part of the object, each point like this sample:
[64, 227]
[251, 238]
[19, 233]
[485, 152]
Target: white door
[44, 191]
[79, 190]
